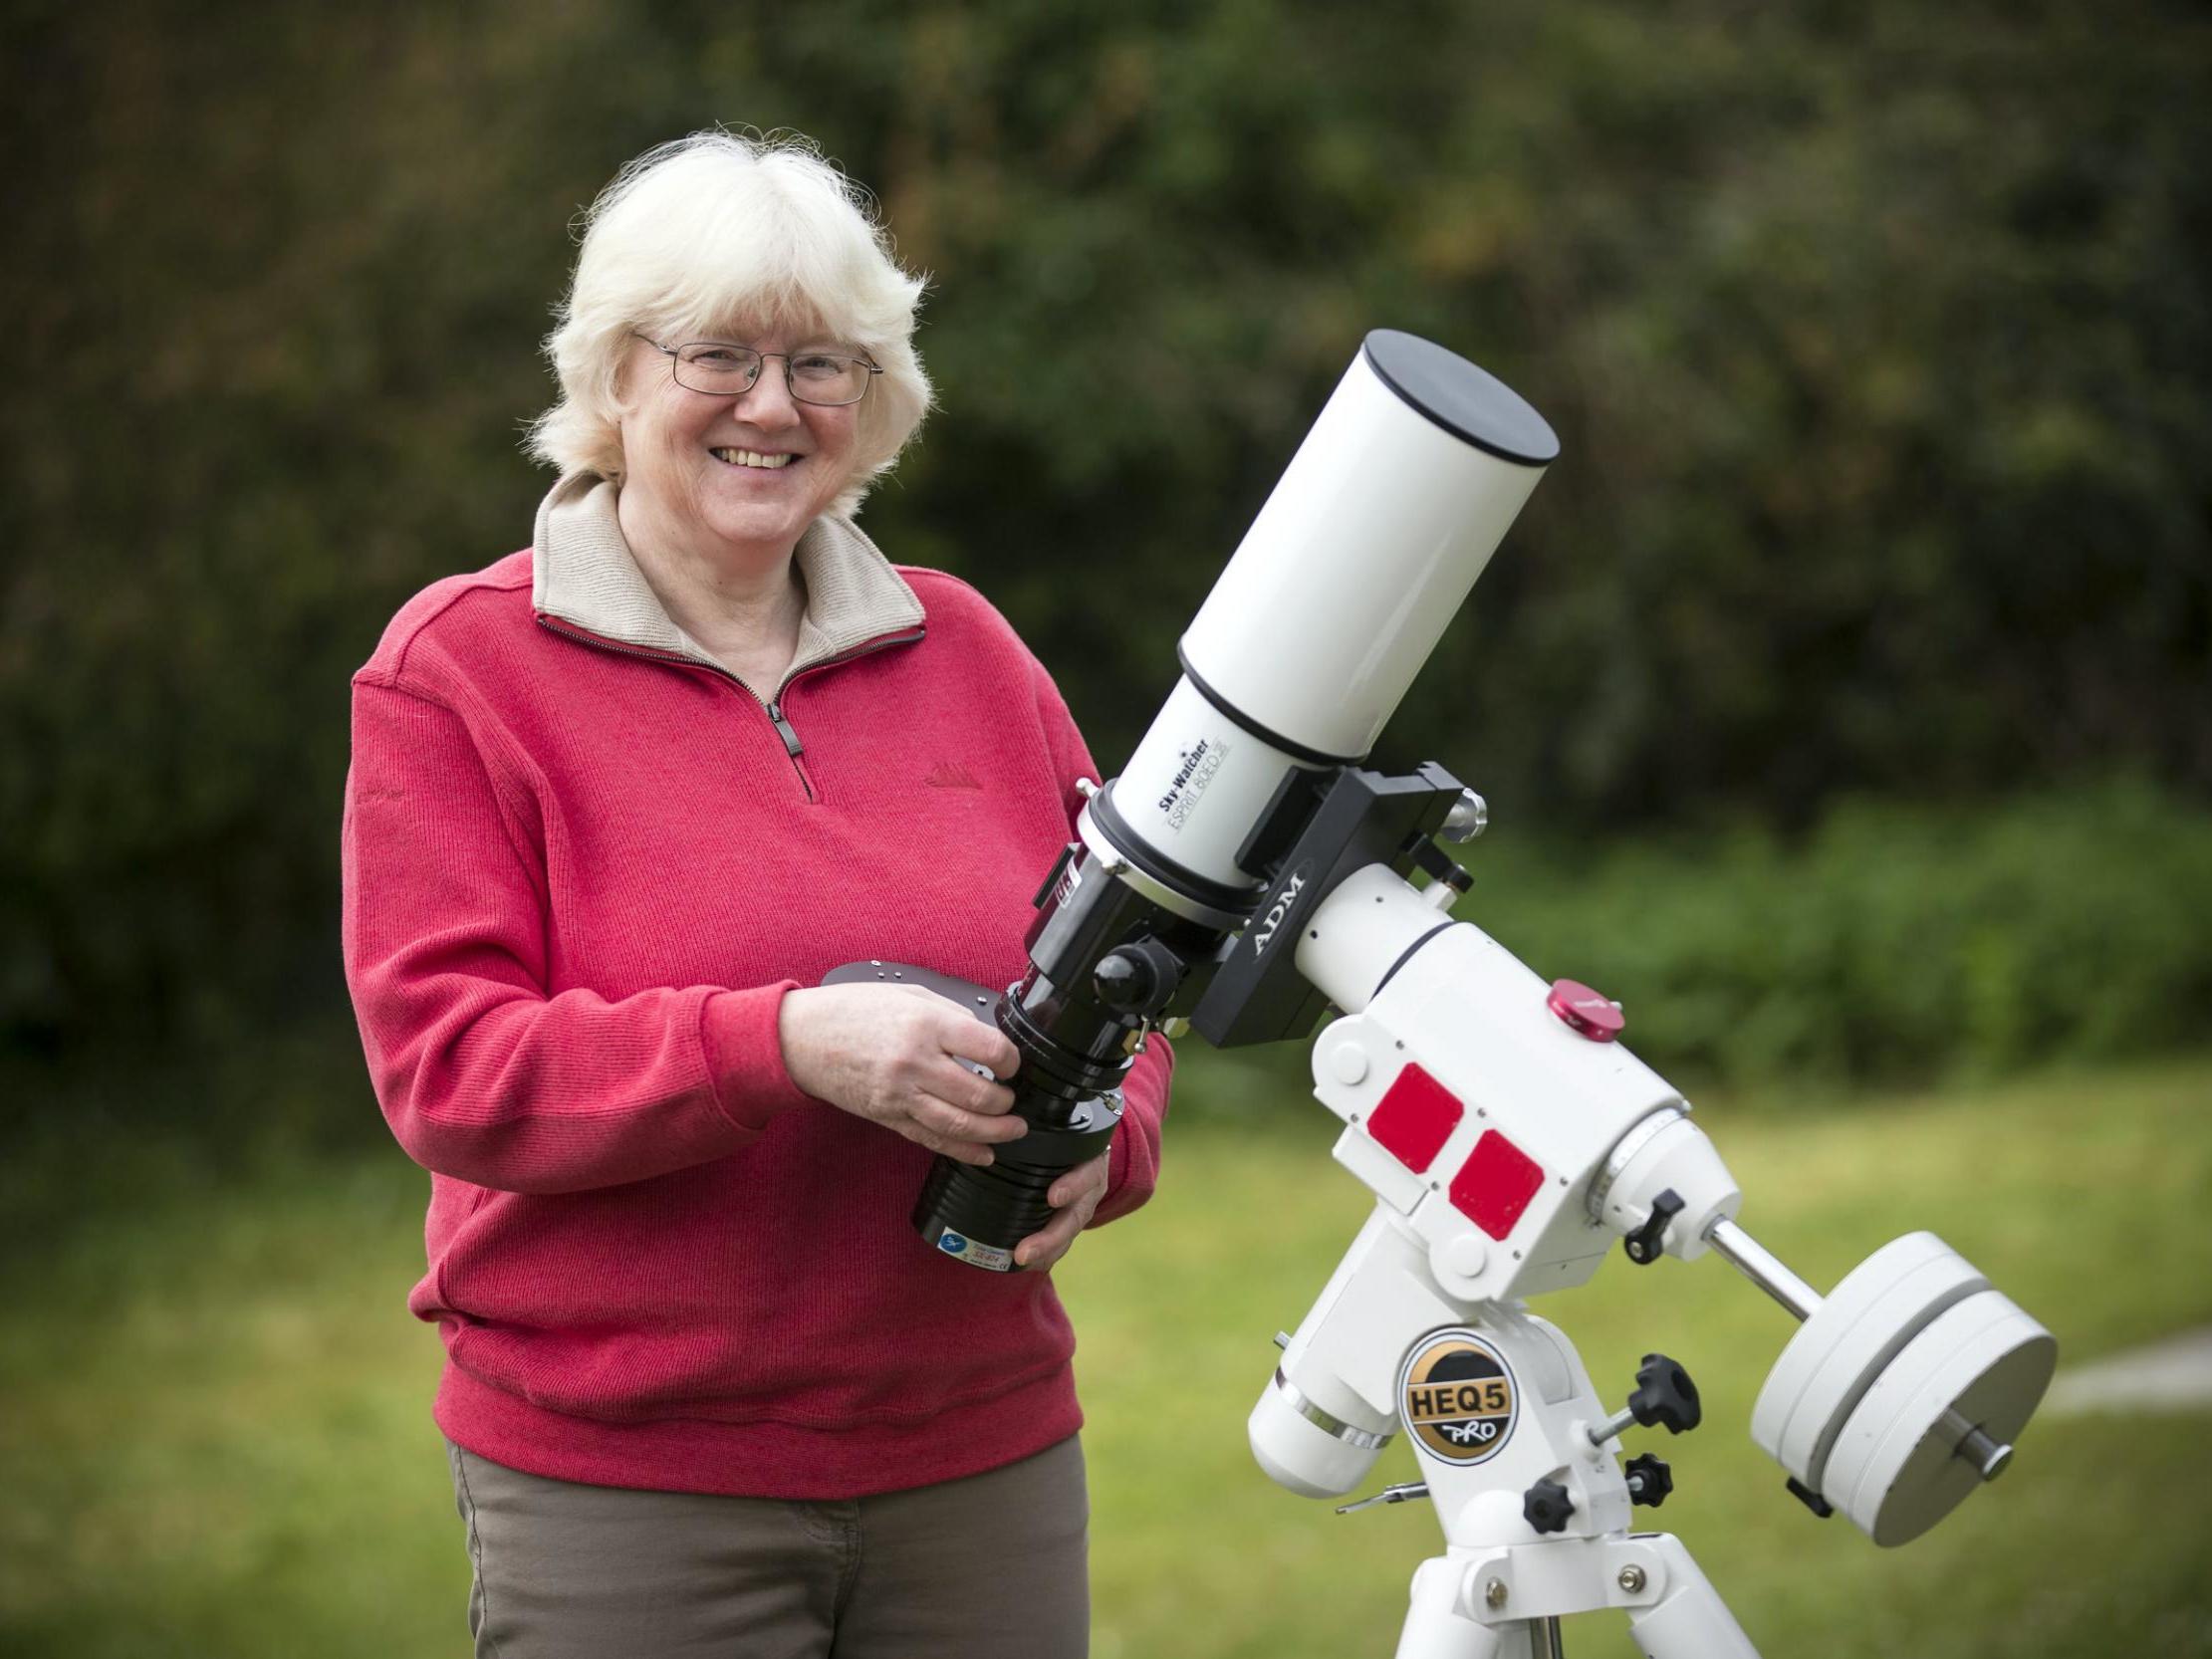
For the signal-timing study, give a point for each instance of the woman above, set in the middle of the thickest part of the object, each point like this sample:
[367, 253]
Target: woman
[617, 803]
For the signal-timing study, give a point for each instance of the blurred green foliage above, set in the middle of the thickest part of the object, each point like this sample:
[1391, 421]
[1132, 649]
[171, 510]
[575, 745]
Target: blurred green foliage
[1879, 336]
[1893, 942]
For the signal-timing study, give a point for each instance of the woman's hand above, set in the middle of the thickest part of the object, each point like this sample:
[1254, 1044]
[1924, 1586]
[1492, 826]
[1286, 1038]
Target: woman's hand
[1076, 1196]
[891, 1054]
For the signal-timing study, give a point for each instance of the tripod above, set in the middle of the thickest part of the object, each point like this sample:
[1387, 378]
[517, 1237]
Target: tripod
[1523, 1469]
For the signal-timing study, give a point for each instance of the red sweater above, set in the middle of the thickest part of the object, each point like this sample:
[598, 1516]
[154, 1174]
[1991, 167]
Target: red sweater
[580, 872]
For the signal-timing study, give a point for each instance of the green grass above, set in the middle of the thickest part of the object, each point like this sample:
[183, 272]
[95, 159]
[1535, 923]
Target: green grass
[214, 1436]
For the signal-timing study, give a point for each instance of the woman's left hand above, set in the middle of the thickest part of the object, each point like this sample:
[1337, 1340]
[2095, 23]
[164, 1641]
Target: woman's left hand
[1076, 1196]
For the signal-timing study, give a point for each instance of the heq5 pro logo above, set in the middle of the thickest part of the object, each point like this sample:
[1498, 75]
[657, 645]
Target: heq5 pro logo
[1197, 766]
[1456, 1394]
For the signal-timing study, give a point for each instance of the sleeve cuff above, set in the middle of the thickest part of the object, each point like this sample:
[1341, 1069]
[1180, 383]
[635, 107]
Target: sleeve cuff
[745, 1055]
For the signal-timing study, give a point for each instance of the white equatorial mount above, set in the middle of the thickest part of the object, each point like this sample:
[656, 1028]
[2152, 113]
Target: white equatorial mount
[1509, 1139]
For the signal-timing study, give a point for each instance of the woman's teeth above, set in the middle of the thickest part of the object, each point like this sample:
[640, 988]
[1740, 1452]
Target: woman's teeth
[751, 458]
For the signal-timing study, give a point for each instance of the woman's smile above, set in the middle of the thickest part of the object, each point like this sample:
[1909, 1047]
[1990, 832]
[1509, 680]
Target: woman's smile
[768, 460]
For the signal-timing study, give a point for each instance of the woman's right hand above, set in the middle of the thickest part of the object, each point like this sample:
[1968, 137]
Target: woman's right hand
[891, 1054]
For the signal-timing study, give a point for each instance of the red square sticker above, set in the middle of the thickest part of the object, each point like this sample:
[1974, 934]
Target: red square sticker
[1414, 1117]
[1495, 1184]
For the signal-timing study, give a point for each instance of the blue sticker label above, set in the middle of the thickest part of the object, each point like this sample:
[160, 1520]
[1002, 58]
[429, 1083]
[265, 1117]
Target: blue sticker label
[976, 1254]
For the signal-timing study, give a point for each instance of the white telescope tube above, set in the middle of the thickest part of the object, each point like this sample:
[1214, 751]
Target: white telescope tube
[1373, 534]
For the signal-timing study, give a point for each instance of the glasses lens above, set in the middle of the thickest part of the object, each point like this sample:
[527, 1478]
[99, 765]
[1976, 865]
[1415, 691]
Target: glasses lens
[719, 369]
[730, 370]
[825, 377]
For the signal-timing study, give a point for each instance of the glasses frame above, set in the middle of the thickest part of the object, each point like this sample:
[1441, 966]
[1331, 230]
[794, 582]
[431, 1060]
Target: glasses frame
[673, 355]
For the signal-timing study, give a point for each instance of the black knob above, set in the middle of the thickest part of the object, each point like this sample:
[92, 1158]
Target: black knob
[1649, 1480]
[1546, 1506]
[1820, 1507]
[1665, 1395]
[1123, 980]
[1139, 977]
[1644, 1246]
[1442, 866]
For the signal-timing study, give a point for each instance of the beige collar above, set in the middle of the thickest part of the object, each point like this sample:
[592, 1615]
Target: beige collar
[583, 573]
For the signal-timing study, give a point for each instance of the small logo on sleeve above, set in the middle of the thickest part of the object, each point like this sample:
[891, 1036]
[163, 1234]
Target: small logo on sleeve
[951, 775]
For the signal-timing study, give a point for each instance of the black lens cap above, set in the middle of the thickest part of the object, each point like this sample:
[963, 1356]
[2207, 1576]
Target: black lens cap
[1472, 406]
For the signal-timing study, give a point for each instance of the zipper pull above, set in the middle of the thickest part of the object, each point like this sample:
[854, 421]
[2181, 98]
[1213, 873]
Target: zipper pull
[792, 746]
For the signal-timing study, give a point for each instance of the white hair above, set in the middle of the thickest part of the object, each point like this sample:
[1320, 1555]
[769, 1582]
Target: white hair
[717, 229]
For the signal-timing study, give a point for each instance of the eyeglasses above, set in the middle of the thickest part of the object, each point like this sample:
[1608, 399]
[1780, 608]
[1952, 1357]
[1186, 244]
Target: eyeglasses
[720, 369]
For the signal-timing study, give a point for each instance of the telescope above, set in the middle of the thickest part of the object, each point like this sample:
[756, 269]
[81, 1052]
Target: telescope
[1247, 874]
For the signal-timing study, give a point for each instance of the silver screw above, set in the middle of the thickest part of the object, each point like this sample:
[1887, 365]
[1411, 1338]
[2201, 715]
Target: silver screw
[1632, 1578]
[1469, 817]
[1494, 1594]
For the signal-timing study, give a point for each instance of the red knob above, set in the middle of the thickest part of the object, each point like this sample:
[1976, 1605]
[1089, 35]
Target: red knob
[1588, 1013]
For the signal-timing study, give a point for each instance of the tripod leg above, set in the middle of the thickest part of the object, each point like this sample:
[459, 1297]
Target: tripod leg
[1690, 1621]
[1436, 1629]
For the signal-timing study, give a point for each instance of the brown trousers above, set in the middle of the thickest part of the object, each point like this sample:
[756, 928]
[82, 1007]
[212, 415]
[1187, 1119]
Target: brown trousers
[992, 1567]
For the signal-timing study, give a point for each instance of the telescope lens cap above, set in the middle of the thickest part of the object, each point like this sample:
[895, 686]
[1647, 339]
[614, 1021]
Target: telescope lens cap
[1474, 407]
